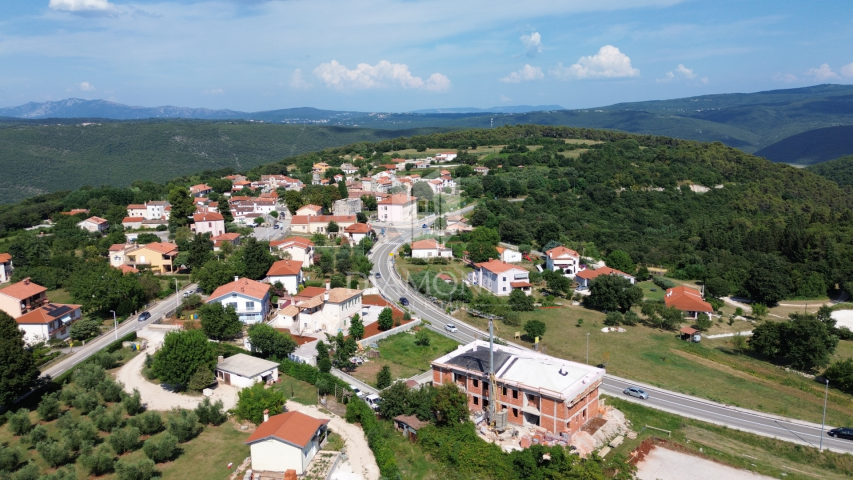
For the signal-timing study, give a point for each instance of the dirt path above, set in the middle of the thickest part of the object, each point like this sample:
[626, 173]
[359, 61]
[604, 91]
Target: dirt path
[156, 397]
[360, 456]
[664, 464]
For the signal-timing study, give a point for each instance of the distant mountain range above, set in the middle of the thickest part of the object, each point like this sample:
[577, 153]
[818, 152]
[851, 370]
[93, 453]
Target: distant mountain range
[753, 122]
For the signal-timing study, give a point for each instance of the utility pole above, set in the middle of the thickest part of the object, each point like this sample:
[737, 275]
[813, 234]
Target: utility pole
[823, 422]
[115, 323]
[177, 297]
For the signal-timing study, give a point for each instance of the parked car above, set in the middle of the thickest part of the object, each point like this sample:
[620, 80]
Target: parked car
[373, 401]
[846, 433]
[451, 328]
[188, 293]
[636, 392]
[144, 316]
[358, 393]
[404, 301]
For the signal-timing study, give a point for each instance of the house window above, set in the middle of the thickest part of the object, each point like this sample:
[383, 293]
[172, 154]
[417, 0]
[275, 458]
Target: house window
[250, 305]
[515, 394]
[476, 383]
[504, 289]
[232, 305]
[476, 400]
[504, 391]
[584, 413]
[515, 412]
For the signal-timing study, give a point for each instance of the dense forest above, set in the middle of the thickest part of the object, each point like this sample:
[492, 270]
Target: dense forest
[839, 170]
[704, 211]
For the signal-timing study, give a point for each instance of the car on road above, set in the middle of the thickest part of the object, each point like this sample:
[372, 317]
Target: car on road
[846, 433]
[378, 275]
[373, 401]
[144, 316]
[404, 301]
[451, 328]
[636, 392]
[358, 393]
[276, 226]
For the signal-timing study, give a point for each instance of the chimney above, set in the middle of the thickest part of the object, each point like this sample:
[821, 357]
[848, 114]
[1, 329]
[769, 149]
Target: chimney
[236, 278]
[328, 285]
[27, 281]
[266, 415]
[221, 359]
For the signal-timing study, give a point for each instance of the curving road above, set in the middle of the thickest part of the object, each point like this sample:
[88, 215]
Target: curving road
[805, 433]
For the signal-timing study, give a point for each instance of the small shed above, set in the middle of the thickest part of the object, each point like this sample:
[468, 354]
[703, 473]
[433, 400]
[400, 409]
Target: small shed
[690, 334]
[243, 370]
[409, 425]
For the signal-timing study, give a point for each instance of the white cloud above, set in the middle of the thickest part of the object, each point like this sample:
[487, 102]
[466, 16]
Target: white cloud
[785, 77]
[382, 75]
[82, 5]
[214, 91]
[847, 70]
[87, 87]
[609, 62]
[297, 80]
[533, 43]
[823, 72]
[526, 74]
[505, 99]
[680, 71]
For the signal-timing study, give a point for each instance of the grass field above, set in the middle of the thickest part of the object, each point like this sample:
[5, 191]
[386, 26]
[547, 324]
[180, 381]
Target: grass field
[405, 359]
[297, 390]
[709, 370]
[766, 456]
[651, 291]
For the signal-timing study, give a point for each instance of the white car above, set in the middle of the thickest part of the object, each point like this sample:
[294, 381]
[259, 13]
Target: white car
[373, 401]
[451, 328]
[358, 393]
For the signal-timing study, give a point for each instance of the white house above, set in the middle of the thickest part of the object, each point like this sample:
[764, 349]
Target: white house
[445, 156]
[500, 278]
[429, 249]
[357, 231]
[208, 222]
[249, 298]
[52, 320]
[398, 208]
[287, 441]
[319, 223]
[94, 224]
[288, 272]
[309, 210]
[243, 370]
[5, 267]
[317, 310]
[508, 255]
[564, 259]
[157, 210]
[300, 249]
[200, 190]
[586, 276]
[348, 168]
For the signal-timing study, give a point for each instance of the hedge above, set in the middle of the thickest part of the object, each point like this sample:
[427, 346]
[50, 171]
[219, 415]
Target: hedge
[112, 347]
[309, 374]
[359, 412]
[663, 283]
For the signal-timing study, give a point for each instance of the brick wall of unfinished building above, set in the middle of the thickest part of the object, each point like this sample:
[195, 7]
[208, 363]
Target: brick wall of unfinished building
[556, 415]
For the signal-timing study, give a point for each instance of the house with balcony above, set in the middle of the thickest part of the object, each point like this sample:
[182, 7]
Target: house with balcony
[500, 278]
[5, 267]
[200, 190]
[288, 273]
[317, 310]
[299, 248]
[22, 297]
[398, 208]
[249, 298]
[157, 257]
[562, 259]
[52, 320]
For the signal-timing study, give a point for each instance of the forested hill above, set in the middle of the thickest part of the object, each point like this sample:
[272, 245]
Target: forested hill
[39, 157]
[839, 170]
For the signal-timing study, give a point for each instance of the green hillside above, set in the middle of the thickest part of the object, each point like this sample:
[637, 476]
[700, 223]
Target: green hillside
[811, 147]
[839, 170]
[39, 158]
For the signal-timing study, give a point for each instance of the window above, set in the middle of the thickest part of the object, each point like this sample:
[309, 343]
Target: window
[515, 395]
[504, 391]
[504, 279]
[584, 413]
[476, 383]
[504, 289]
[232, 305]
[250, 305]
[476, 400]
[515, 412]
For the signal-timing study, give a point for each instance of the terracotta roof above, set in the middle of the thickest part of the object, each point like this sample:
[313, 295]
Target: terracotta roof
[298, 241]
[5, 257]
[294, 428]
[136, 206]
[24, 289]
[163, 248]
[557, 252]
[47, 313]
[117, 247]
[338, 295]
[397, 199]
[520, 284]
[200, 187]
[284, 267]
[304, 219]
[127, 269]
[208, 217]
[445, 277]
[358, 228]
[497, 266]
[687, 300]
[311, 292]
[96, 220]
[311, 302]
[589, 274]
[230, 237]
[245, 286]
[428, 244]
[310, 206]
[688, 331]
[411, 420]
[133, 220]
[289, 311]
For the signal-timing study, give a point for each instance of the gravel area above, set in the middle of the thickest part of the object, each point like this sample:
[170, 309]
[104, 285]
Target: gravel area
[665, 464]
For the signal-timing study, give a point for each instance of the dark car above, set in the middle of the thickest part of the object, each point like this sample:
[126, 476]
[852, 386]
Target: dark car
[404, 301]
[378, 275]
[846, 433]
[144, 316]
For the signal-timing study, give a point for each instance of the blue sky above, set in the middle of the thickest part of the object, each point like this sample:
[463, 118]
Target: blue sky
[401, 55]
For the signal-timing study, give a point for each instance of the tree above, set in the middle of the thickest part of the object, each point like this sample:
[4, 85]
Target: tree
[18, 370]
[613, 318]
[361, 217]
[253, 401]
[201, 379]
[124, 440]
[184, 426]
[613, 292]
[840, 374]
[520, 302]
[200, 250]
[182, 207]
[643, 274]
[422, 338]
[333, 227]
[463, 171]
[383, 377]
[256, 258]
[133, 403]
[768, 281]
[258, 221]
[738, 342]
[368, 202]
[218, 321]
[759, 310]
[100, 288]
[703, 323]
[49, 407]
[211, 413]
[534, 328]
[53, 452]
[479, 251]
[805, 342]
[293, 200]
[270, 342]
[450, 405]
[85, 328]
[214, 274]
[548, 232]
[181, 355]
[717, 287]
[145, 238]
[557, 282]
[395, 398]
[327, 263]
[386, 319]
[161, 449]
[356, 327]
[620, 260]
[97, 462]
[423, 191]
[342, 189]
[143, 469]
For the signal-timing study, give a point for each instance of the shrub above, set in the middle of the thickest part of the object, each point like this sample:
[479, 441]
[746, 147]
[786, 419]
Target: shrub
[324, 365]
[201, 379]
[386, 319]
[631, 318]
[613, 319]
[99, 461]
[703, 323]
[48, 408]
[10, 458]
[210, 413]
[663, 283]
[148, 423]
[88, 375]
[140, 470]
[105, 360]
[422, 338]
[254, 400]
[383, 377]
[29, 472]
[124, 440]
[110, 390]
[534, 328]
[107, 420]
[840, 374]
[19, 422]
[37, 434]
[183, 424]
[54, 453]
[133, 403]
[67, 473]
[161, 449]
[86, 402]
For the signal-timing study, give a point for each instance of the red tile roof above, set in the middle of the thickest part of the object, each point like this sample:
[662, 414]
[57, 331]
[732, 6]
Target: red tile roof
[285, 267]
[589, 274]
[358, 228]
[133, 219]
[95, 220]
[5, 257]
[163, 248]
[136, 206]
[557, 252]
[127, 269]
[520, 284]
[497, 266]
[687, 300]
[245, 286]
[47, 313]
[229, 237]
[311, 292]
[397, 199]
[297, 241]
[117, 247]
[208, 217]
[24, 289]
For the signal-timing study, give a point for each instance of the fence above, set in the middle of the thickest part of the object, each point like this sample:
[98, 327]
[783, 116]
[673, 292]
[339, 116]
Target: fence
[388, 333]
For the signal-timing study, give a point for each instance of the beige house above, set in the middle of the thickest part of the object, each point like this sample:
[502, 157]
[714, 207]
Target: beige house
[209, 222]
[94, 224]
[22, 297]
[157, 257]
[287, 441]
[309, 210]
[319, 223]
[318, 310]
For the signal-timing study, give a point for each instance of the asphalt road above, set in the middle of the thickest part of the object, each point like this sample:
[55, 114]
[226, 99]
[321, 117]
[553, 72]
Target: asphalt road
[392, 288]
[129, 325]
